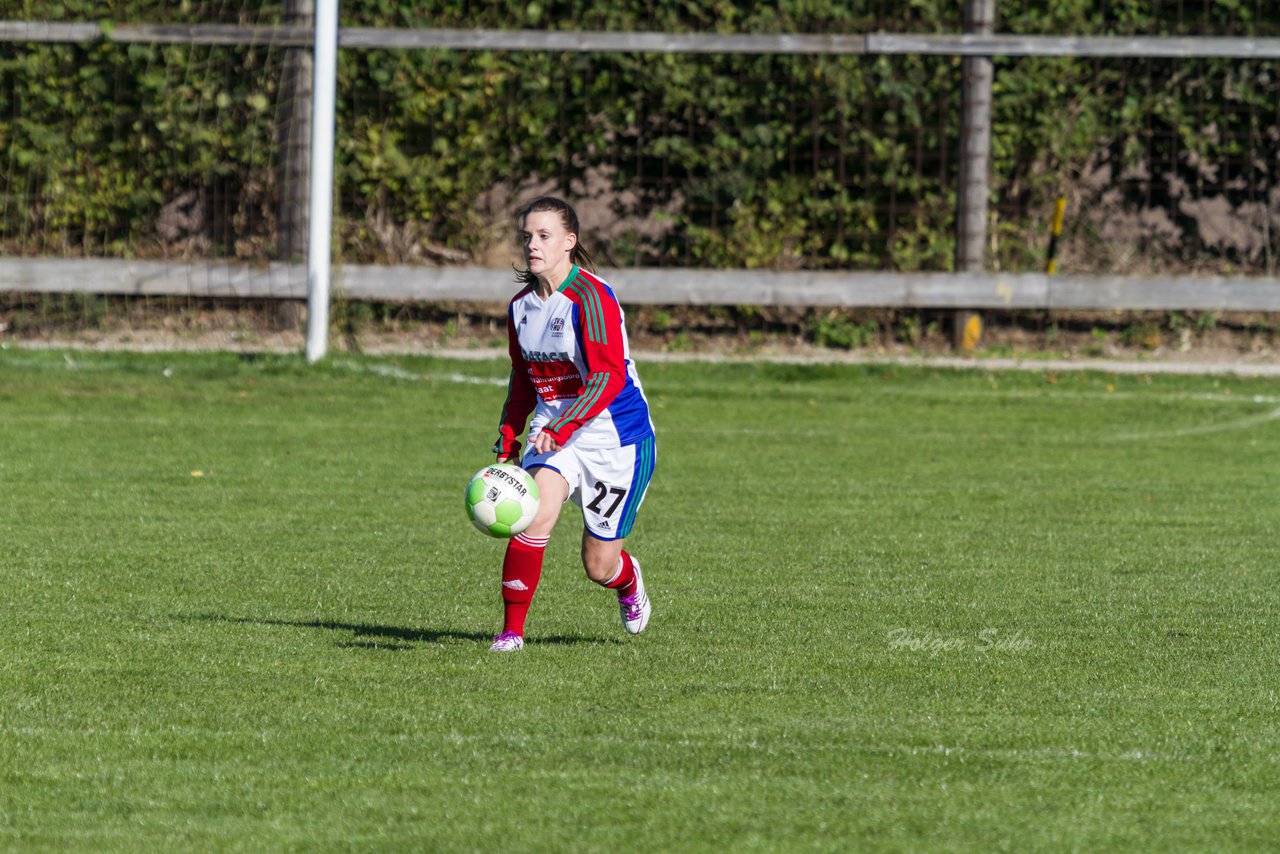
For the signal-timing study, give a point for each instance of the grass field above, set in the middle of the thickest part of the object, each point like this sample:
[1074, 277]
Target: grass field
[895, 609]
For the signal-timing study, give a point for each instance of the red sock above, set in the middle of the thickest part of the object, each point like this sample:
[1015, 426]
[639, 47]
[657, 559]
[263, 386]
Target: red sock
[521, 569]
[624, 580]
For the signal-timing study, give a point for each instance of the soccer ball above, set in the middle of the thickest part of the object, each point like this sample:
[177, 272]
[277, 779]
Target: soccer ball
[502, 500]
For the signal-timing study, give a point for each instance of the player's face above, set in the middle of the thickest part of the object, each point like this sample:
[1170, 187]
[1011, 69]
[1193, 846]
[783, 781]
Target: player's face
[547, 244]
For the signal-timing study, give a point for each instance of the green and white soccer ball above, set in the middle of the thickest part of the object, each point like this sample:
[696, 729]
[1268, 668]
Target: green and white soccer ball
[502, 500]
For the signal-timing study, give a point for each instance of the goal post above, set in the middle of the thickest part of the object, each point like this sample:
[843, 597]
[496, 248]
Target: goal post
[320, 236]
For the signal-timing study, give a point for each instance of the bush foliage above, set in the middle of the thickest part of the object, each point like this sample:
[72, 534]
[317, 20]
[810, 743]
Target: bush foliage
[705, 160]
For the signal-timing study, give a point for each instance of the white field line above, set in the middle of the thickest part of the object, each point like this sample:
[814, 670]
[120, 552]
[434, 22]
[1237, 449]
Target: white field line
[976, 363]
[1175, 397]
[394, 372]
[1240, 424]
[390, 371]
[1052, 395]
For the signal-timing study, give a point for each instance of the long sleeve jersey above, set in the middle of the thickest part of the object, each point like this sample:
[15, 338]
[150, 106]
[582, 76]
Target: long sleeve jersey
[571, 367]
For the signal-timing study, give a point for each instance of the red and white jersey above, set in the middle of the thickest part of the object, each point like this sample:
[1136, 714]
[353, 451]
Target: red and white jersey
[571, 367]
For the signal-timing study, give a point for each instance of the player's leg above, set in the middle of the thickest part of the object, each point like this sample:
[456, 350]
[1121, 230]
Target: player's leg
[602, 559]
[553, 489]
[609, 564]
[522, 564]
[613, 487]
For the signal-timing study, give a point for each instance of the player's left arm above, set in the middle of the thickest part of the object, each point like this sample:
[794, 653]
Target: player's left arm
[598, 318]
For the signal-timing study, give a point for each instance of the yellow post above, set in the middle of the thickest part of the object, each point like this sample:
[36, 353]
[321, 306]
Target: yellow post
[1059, 208]
[970, 329]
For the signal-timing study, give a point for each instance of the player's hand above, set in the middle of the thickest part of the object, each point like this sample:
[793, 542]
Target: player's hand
[543, 443]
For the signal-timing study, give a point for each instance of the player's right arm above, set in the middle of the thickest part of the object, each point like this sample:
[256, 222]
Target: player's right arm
[521, 398]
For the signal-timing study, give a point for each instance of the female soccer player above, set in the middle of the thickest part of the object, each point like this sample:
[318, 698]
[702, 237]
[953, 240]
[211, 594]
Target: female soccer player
[590, 438]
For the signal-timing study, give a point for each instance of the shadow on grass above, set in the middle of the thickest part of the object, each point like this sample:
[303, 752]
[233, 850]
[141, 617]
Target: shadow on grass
[387, 637]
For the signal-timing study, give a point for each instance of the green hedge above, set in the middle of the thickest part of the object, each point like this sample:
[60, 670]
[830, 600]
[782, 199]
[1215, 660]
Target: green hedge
[722, 161]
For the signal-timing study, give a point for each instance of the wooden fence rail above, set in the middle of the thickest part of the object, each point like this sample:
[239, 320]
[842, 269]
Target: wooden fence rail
[654, 42]
[656, 286]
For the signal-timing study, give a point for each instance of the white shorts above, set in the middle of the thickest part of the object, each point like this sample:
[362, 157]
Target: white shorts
[607, 483]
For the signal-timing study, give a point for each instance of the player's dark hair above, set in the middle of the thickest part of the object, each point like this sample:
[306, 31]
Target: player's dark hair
[569, 217]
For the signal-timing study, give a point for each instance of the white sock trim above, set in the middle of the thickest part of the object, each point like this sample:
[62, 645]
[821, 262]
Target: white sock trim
[616, 575]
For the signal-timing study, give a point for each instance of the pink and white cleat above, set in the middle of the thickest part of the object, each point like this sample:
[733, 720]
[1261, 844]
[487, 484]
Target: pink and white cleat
[507, 642]
[635, 608]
